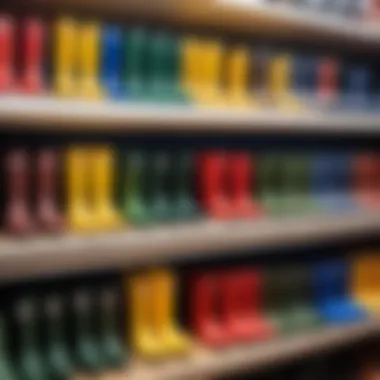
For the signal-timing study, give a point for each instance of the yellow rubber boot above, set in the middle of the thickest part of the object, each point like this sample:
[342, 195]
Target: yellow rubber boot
[64, 56]
[361, 279]
[143, 339]
[88, 60]
[364, 282]
[105, 215]
[210, 59]
[279, 82]
[190, 66]
[375, 270]
[78, 202]
[171, 339]
[237, 77]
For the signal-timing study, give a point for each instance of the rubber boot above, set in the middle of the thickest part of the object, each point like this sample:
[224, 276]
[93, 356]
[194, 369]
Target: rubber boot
[7, 370]
[59, 366]
[88, 56]
[65, 50]
[30, 363]
[135, 205]
[112, 346]
[87, 350]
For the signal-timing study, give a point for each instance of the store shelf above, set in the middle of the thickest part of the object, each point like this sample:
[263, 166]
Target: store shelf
[273, 20]
[45, 113]
[284, 21]
[204, 364]
[61, 254]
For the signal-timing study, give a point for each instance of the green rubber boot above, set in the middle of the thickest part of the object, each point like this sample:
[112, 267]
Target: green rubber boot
[273, 302]
[289, 185]
[296, 188]
[58, 363]
[182, 185]
[7, 372]
[164, 69]
[135, 68]
[290, 192]
[135, 207]
[30, 365]
[307, 206]
[88, 354]
[173, 71]
[112, 348]
[302, 316]
[269, 182]
[161, 206]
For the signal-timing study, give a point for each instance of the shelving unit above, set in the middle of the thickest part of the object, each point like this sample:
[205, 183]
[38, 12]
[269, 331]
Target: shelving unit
[52, 114]
[44, 256]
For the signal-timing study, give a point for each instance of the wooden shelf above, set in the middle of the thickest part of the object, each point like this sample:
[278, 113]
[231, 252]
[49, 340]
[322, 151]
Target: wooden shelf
[204, 364]
[50, 114]
[285, 21]
[42, 256]
[272, 20]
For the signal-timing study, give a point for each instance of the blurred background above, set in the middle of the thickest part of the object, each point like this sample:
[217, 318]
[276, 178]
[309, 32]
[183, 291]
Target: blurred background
[190, 189]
